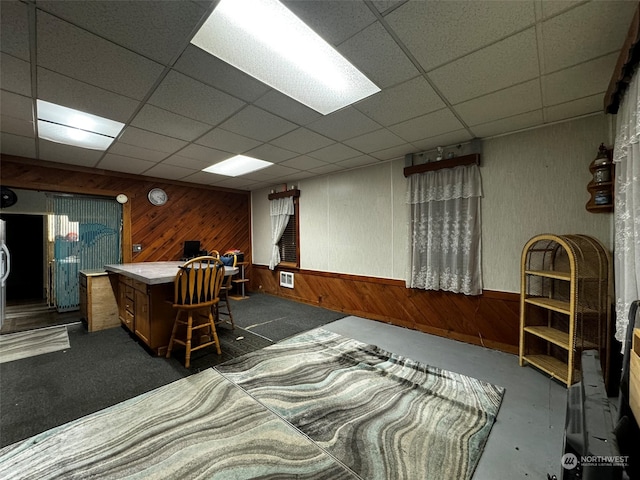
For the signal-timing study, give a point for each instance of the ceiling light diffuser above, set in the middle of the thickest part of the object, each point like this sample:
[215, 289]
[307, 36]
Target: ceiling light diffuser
[72, 127]
[238, 165]
[267, 41]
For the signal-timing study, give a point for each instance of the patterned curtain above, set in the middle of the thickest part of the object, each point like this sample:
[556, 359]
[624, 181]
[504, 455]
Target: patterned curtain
[85, 234]
[626, 156]
[445, 230]
[281, 209]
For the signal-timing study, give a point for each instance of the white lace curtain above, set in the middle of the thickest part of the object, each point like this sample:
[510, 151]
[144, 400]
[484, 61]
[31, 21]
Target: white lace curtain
[626, 156]
[445, 230]
[281, 210]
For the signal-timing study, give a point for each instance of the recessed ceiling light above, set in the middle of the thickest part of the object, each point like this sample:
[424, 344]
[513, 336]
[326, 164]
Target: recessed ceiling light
[267, 41]
[238, 165]
[72, 127]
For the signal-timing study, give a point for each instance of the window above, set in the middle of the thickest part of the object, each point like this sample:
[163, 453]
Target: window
[289, 243]
[445, 230]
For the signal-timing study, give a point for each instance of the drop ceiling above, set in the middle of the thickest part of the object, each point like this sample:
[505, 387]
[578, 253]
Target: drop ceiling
[448, 72]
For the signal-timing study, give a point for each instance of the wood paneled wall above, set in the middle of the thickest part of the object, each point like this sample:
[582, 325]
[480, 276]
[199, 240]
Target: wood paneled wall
[491, 319]
[219, 218]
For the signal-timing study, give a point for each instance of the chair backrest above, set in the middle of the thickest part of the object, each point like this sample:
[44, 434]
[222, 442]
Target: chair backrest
[198, 282]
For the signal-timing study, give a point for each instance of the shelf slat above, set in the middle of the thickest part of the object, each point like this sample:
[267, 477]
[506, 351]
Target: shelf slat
[550, 274]
[558, 337]
[550, 334]
[550, 304]
[550, 365]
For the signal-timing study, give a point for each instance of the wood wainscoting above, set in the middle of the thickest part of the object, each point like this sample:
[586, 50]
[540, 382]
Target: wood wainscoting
[491, 319]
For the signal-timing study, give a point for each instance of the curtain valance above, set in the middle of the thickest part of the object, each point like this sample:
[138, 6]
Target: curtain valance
[446, 184]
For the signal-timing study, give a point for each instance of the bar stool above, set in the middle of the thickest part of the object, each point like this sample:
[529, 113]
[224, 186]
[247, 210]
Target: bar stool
[196, 293]
[223, 307]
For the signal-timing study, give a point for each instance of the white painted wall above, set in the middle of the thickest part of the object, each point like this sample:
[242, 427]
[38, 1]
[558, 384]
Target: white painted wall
[534, 182]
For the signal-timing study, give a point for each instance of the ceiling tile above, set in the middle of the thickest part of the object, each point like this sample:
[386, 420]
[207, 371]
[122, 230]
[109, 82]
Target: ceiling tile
[227, 141]
[575, 108]
[16, 106]
[17, 145]
[57, 152]
[302, 140]
[394, 152]
[119, 163]
[384, 5]
[271, 172]
[203, 66]
[580, 81]
[123, 149]
[190, 98]
[15, 75]
[329, 168]
[287, 108]
[167, 123]
[17, 126]
[271, 153]
[511, 124]
[257, 124]
[439, 32]
[206, 154]
[553, 7]
[143, 138]
[65, 91]
[360, 161]
[402, 102]
[574, 31]
[426, 126]
[172, 172]
[370, 142]
[503, 103]
[185, 162]
[139, 26]
[235, 182]
[303, 163]
[335, 153]
[76, 53]
[335, 21]
[374, 52]
[205, 178]
[511, 61]
[14, 29]
[446, 139]
[343, 124]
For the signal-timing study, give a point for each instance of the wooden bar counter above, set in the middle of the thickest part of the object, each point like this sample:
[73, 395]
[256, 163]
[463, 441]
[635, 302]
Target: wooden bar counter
[144, 293]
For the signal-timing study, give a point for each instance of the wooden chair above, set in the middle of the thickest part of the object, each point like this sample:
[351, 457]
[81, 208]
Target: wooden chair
[196, 292]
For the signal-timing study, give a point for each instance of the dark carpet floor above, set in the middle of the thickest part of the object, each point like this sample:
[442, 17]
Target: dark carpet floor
[107, 367]
[275, 319]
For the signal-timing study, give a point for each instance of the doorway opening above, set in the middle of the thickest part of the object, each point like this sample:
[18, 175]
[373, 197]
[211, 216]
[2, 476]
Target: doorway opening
[27, 305]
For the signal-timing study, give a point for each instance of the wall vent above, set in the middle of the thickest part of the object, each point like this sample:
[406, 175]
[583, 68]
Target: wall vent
[286, 279]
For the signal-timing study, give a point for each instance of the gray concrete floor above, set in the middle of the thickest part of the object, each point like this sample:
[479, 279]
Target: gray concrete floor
[527, 438]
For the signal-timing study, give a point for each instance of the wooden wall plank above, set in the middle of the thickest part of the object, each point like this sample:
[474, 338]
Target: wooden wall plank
[219, 218]
[491, 319]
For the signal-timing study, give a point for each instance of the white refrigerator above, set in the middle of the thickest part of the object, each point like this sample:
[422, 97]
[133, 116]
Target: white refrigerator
[5, 267]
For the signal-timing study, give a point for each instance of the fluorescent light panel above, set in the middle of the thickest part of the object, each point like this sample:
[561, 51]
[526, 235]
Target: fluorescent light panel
[267, 41]
[72, 127]
[238, 165]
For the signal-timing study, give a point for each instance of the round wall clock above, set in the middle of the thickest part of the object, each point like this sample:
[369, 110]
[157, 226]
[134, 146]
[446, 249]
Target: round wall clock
[122, 198]
[157, 196]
